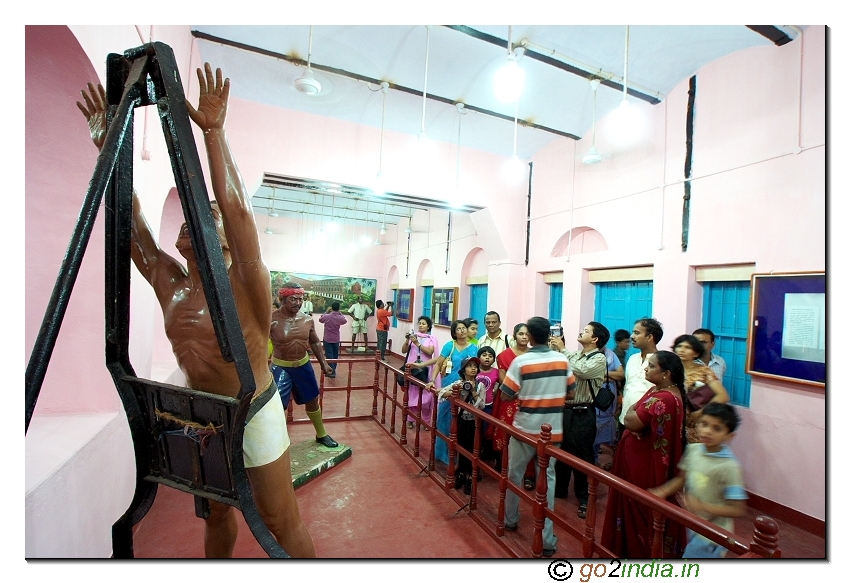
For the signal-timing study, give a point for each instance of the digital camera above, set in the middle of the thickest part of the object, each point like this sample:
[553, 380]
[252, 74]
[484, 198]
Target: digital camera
[468, 385]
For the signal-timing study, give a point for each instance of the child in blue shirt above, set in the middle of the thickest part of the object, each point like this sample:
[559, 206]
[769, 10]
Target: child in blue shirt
[712, 479]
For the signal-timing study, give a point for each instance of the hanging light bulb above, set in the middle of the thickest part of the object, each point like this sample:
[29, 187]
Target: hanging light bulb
[306, 84]
[510, 79]
[627, 122]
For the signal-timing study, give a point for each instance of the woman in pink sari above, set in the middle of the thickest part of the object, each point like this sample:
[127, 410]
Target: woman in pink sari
[419, 347]
[647, 456]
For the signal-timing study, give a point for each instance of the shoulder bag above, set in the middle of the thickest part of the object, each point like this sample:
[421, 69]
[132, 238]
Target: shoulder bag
[604, 397]
[698, 397]
[447, 363]
[417, 373]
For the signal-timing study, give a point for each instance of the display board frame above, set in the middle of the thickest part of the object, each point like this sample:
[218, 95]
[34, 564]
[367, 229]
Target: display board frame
[404, 309]
[444, 305]
[787, 327]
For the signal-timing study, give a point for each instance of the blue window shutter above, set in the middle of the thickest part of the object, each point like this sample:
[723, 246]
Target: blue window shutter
[726, 312]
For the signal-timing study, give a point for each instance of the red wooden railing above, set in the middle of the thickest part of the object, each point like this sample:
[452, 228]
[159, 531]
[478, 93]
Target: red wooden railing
[389, 400]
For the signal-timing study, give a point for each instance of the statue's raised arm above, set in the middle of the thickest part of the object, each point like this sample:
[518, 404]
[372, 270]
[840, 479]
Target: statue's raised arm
[248, 270]
[159, 268]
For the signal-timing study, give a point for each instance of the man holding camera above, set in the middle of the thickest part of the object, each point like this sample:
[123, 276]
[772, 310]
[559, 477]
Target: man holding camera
[589, 365]
[383, 328]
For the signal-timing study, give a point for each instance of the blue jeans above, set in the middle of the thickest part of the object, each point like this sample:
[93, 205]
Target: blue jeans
[700, 547]
[519, 454]
[331, 351]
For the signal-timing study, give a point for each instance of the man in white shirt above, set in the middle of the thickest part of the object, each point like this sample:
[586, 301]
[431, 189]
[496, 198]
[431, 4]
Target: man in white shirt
[307, 306]
[494, 337]
[714, 361]
[647, 332]
[359, 312]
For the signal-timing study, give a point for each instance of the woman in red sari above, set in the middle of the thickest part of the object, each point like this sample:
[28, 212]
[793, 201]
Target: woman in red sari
[647, 456]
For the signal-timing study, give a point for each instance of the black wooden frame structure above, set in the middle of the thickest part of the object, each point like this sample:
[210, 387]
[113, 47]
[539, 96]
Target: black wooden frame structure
[207, 463]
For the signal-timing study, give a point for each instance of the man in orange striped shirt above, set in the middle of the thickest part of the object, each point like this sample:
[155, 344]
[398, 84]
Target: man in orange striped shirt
[542, 381]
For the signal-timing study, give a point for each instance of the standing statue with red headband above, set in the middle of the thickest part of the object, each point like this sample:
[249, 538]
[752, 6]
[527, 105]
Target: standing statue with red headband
[292, 332]
[190, 330]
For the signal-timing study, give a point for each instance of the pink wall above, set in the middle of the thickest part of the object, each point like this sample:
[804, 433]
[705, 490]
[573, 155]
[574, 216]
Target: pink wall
[60, 159]
[758, 197]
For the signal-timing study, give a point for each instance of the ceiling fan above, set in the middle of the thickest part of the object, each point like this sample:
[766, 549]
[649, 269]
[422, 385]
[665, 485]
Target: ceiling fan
[307, 83]
[409, 228]
[269, 230]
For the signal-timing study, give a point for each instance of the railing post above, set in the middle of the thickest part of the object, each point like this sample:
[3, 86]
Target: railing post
[541, 489]
[765, 538]
[418, 418]
[476, 452]
[503, 487]
[590, 520]
[433, 422]
[404, 410]
[376, 389]
[658, 522]
[452, 443]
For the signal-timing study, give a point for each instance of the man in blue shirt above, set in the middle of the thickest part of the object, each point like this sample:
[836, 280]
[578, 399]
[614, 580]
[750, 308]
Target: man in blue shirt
[714, 361]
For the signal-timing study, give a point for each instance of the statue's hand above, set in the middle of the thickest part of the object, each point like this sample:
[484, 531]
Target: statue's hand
[212, 101]
[95, 112]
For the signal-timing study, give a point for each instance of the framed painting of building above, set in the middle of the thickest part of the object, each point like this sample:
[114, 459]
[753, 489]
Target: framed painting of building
[326, 289]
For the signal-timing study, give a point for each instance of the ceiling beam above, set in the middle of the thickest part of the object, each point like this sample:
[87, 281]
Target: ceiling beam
[775, 35]
[584, 73]
[365, 79]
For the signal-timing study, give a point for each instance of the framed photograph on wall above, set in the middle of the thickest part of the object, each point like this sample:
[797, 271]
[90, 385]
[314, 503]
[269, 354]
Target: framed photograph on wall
[444, 305]
[787, 339]
[404, 311]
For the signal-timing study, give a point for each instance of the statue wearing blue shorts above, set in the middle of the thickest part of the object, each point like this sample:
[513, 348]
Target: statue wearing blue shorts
[292, 333]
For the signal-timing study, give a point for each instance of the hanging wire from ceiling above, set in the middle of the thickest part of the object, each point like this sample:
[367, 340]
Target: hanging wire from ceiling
[516, 126]
[626, 66]
[422, 135]
[384, 90]
[593, 156]
[461, 111]
[273, 211]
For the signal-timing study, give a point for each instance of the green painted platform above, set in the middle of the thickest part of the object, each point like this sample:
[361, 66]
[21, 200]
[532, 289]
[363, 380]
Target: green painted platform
[309, 459]
[359, 351]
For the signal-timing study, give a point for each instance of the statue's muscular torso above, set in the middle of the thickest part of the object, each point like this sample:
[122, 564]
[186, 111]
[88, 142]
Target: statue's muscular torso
[290, 334]
[189, 328]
